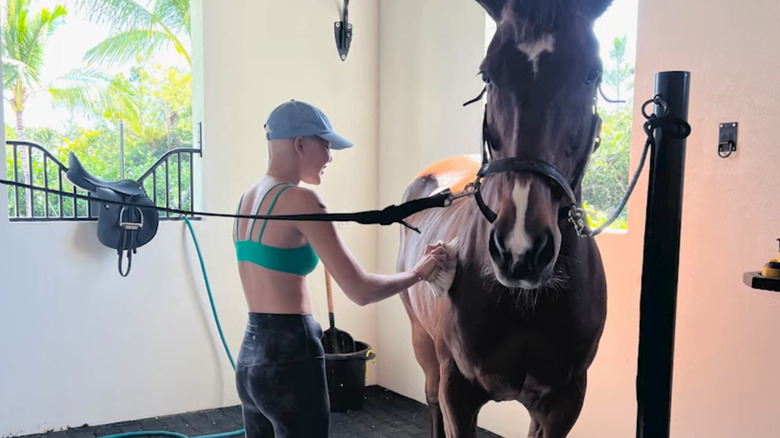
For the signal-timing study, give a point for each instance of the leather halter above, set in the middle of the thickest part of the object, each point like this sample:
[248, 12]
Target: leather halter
[573, 211]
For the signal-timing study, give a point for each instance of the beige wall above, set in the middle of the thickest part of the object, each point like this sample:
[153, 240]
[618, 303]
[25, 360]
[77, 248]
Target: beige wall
[78, 343]
[726, 353]
[427, 71]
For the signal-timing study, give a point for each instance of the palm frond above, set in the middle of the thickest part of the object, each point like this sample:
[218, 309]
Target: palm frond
[120, 14]
[95, 95]
[124, 46]
[24, 40]
[18, 72]
[37, 31]
[175, 14]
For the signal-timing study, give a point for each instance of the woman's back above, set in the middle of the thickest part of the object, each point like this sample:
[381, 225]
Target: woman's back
[274, 257]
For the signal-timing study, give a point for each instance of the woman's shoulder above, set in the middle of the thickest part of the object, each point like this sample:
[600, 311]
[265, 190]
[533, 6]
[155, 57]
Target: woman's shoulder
[304, 199]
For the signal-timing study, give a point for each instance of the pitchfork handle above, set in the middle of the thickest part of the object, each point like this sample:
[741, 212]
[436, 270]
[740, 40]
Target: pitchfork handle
[330, 297]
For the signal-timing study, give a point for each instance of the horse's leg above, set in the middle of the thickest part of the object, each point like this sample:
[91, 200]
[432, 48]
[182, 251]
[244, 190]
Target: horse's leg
[558, 411]
[426, 355]
[460, 402]
[425, 352]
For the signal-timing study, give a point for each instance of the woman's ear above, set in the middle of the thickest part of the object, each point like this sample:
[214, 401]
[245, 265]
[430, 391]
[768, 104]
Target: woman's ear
[298, 145]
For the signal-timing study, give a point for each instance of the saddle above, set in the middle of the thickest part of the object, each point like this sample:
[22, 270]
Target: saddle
[126, 223]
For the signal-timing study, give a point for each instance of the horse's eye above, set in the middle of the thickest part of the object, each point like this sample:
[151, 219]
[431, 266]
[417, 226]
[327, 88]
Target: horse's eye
[486, 79]
[593, 76]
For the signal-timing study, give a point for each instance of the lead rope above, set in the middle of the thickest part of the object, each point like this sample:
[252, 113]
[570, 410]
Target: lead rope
[673, 126]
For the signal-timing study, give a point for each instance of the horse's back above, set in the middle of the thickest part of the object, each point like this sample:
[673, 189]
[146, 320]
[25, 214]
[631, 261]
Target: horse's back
[452, 173]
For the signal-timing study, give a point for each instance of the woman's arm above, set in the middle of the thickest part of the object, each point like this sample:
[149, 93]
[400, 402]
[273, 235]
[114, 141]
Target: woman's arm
[361, 287]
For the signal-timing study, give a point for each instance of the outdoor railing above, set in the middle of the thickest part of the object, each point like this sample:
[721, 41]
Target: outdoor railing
[168, 182]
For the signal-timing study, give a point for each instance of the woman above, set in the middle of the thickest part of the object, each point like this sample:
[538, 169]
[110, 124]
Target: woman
[280, 373]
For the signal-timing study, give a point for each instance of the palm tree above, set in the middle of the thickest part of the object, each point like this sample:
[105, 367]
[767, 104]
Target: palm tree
[83, 90]
[24, 40]
[139, 30]
[622, 72]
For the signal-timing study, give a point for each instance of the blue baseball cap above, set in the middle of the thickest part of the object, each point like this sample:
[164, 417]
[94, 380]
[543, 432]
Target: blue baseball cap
[300, 119]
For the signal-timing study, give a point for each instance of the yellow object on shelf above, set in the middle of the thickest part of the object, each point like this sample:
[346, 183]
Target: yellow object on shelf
[770, 272]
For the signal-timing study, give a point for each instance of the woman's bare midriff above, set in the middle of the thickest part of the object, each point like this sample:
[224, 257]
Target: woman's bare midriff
[268, 291]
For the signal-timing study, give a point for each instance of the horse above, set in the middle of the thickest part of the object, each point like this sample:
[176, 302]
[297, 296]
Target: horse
[525, 312]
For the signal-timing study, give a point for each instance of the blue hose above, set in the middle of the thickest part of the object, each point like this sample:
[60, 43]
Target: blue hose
[224, 344]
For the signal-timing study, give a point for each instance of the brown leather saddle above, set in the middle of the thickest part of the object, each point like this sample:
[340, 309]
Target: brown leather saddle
[125, 223]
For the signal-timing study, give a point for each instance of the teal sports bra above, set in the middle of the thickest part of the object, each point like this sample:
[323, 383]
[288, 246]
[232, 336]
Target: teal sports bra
[298, 261]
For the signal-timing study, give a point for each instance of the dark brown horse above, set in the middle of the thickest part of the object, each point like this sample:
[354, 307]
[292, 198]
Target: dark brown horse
[523, 318]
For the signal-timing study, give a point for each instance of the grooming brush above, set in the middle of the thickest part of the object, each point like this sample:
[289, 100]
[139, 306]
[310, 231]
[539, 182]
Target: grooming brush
[441, 283]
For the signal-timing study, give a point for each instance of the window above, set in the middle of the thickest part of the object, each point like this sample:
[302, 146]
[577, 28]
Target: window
[607, 177]
[112, 86]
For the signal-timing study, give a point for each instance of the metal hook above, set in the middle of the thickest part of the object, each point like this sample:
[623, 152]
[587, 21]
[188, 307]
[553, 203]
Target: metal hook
[343, 32]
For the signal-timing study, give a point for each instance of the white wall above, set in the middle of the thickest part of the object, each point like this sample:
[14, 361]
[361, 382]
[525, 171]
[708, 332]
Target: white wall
[82, 345]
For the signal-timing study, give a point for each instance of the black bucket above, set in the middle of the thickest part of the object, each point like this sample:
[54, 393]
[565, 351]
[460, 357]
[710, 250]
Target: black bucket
[346, 374]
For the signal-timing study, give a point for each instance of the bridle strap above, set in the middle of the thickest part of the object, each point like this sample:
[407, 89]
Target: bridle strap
[536, 167]
[489, 214]
[572, 211]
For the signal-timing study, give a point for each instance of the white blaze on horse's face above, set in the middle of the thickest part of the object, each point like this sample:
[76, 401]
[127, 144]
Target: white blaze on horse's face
[518, 241]
[533, 49]
[525, 240]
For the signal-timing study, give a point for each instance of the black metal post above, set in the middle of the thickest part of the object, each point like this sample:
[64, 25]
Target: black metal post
[658, 303]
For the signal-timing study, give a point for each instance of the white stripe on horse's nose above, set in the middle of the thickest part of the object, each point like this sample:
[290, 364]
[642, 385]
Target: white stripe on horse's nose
[519, 241]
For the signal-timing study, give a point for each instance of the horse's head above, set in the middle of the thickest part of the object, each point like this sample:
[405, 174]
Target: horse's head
[542, 71]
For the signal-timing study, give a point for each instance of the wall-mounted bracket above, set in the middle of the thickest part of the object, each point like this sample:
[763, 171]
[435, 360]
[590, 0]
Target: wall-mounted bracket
[343, 31]
[727, 139]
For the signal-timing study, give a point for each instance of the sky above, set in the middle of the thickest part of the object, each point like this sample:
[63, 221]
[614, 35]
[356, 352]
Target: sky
[620, 19]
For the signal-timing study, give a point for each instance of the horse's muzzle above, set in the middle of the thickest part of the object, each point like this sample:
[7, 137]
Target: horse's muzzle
[529, 269]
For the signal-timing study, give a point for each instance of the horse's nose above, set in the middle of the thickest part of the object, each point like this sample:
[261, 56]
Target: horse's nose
[541, 253]
[530, 263]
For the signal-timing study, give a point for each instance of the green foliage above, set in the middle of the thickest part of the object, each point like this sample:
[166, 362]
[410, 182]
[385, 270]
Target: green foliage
[620, 76]
[24, 41]
[607, 177]
[164, 94]
[152, 102]
[84, 90]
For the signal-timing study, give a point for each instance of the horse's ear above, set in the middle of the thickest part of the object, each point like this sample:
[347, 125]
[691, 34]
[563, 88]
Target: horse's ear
[594, 8]
[493, 7]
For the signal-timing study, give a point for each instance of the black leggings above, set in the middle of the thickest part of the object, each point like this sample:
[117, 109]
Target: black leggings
[280, 376]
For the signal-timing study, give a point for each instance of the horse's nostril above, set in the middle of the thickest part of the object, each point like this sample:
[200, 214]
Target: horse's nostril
[543, 250]
[497, 246]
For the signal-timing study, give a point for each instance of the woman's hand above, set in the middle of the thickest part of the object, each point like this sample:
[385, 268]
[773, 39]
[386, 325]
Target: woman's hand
[434, 258]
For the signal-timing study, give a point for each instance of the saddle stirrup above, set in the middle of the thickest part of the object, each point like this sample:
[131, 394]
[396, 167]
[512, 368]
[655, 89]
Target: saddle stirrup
[129, 228]
[129, 252]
